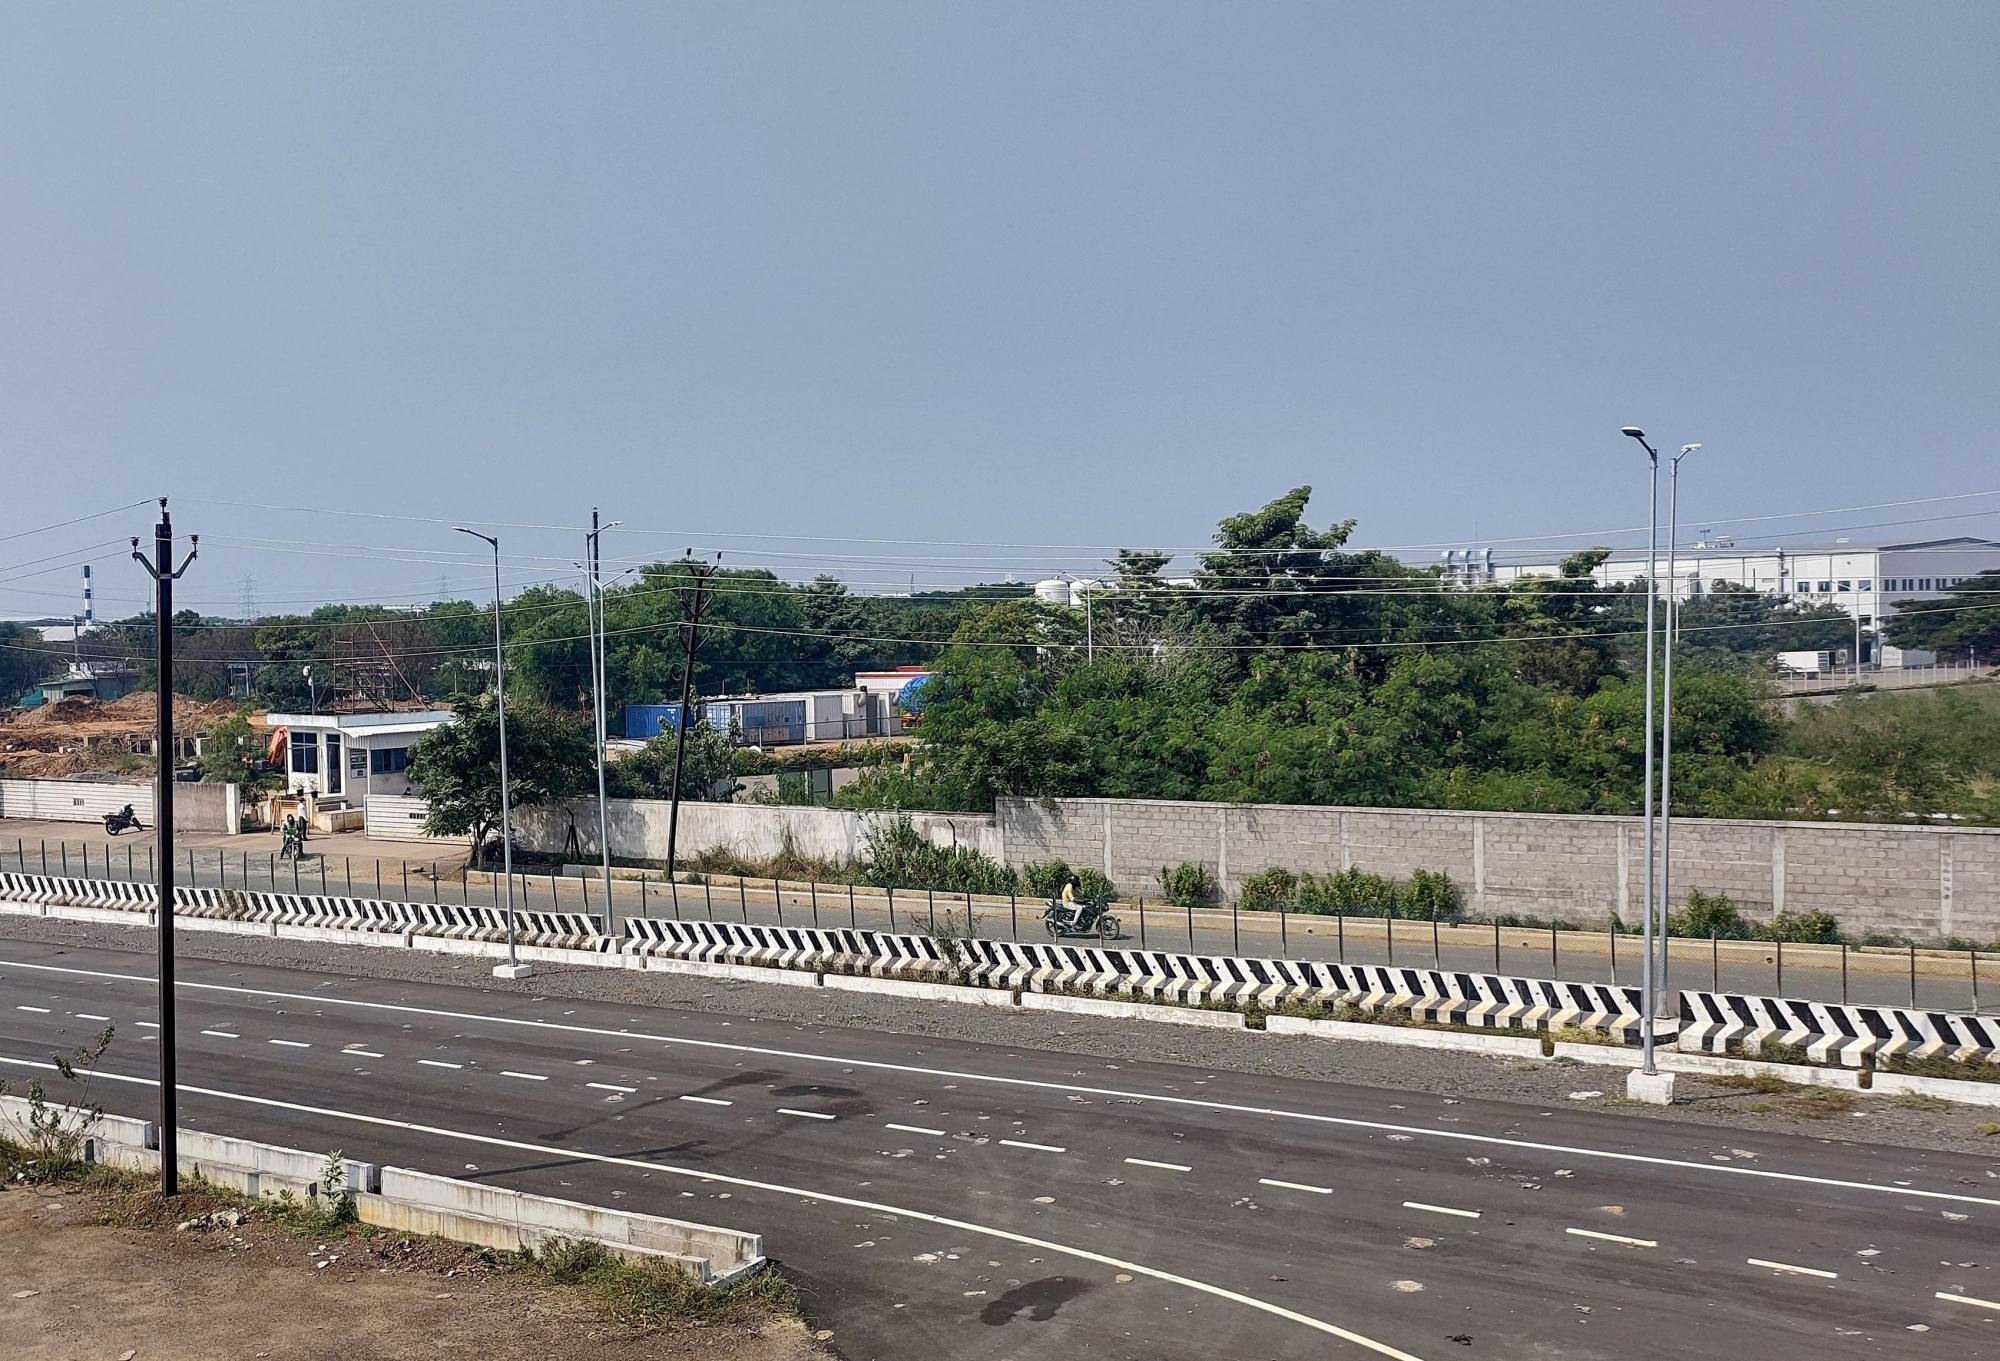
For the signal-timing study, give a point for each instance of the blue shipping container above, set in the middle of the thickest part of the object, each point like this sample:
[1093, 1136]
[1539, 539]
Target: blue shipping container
[645, 721]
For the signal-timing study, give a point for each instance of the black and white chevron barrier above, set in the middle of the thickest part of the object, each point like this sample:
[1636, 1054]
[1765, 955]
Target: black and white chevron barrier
[1430, 994]
[1720, 1021]
[789, 947]
[56, 890]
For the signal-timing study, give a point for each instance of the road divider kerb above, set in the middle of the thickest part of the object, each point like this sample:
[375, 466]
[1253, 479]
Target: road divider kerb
[418, 1202]
[1517, 1046]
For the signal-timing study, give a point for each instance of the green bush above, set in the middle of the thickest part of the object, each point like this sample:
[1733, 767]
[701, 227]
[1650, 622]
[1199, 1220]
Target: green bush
[1709, 914]
[1430, 895]
[1045, 879]
[1353, 892]
[1802, 928]
[1188, 885]
[1274, 890]
[897, 855]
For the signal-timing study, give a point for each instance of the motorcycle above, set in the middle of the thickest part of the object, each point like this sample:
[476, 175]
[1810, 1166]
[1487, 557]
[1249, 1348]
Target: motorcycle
[117, 822]
[1072, 920]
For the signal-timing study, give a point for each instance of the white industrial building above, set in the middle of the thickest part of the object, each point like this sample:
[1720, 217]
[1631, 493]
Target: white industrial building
[1864, 579]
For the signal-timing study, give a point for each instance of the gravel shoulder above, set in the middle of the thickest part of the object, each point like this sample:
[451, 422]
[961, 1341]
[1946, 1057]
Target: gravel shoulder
[79, 1288]
[1919, 1123]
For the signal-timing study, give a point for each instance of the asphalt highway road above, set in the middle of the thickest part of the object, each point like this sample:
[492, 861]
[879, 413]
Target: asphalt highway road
[936, 1198]
[1948, 981]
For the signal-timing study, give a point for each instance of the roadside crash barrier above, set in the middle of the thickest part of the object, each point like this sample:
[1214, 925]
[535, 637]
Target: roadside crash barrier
[1482, 1000]
[787, 947]
[1469, 999]
[1834, 1031]
[404, 1200]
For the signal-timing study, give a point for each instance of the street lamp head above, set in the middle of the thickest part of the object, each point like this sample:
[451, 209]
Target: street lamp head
[1687, 449]
[1632, 432]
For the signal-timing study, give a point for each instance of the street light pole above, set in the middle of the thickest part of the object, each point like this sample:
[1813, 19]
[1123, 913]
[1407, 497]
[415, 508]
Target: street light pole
[163, 572]
[597, 680]
[1648, 1004]
[1667, 725]
[513, 968]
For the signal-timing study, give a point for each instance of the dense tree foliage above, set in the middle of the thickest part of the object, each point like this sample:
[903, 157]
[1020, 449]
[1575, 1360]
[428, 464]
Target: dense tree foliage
[1296, 671]
[550, 758]
[1965, 625]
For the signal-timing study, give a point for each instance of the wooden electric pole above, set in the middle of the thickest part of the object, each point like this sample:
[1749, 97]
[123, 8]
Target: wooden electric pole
[690, 645]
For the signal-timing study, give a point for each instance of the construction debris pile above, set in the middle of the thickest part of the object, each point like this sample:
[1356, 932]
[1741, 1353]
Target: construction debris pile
[81, 736]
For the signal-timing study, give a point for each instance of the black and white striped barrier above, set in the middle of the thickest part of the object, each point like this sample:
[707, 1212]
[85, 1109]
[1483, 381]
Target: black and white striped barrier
[1485, 1000]
[786, 947]
[56, 890]
[1488, 1000]
[1842, 1032]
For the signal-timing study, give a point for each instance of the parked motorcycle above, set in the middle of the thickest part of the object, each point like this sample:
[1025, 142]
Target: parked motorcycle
[1087, 919]
[119, 821]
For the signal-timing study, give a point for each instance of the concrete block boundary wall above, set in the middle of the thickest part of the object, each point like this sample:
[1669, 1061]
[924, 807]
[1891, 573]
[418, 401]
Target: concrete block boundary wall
[1917, 881]
[1719, 1021]
[200, 807]
[416, 1202]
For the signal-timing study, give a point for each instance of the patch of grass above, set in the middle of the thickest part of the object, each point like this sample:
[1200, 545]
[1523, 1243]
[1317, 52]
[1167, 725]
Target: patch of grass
[1572, 1034]
[1988, 1130]
[1767, 1083]
[1813, 1103]
[1823, 1103]
[651, 1292]
[1939, 1066]
[1919, 1101]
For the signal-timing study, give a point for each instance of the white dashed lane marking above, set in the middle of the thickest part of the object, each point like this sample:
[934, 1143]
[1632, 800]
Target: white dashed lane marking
[1613, 1238]
[150, 1025]
[525, 1077]
[362, 1053]
[223, 1034]
[1968, 1299]
[1164, 1167]
[1039, 1148]
[1789, 1269]
[41, 1010]
[439, 1063]
[806, 1115]
[916, 1129]
[90, 1016]
[291, 1044]
[708, 1100]
[611, 1087]
[1439, 1209]
[1295, 1186]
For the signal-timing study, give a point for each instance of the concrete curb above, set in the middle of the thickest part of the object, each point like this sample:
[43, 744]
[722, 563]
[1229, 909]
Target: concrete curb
[420, 1202]
[1131, 1011]
[929, 992]
[1516, 1046]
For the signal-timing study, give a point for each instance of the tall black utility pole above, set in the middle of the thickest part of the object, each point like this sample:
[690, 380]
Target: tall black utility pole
[161, 568]
[690, 644]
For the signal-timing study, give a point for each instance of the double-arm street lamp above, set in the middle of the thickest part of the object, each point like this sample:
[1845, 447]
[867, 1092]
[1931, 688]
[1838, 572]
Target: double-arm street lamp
[513, 968]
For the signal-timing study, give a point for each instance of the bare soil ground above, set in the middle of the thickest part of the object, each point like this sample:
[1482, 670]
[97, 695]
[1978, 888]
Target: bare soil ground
[87, 1274]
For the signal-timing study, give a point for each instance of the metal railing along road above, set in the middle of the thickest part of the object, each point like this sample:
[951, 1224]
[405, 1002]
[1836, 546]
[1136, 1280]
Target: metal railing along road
[1935, 979]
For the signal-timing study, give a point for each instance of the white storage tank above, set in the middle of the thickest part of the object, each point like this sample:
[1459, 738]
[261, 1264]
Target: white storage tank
[1053, 591]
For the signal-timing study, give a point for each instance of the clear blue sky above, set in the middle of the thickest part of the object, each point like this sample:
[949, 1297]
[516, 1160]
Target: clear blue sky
[1068, 273]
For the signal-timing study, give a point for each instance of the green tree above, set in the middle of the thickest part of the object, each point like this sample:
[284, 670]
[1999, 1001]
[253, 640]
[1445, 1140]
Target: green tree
[550, 758]
[230, 749]
[1965, 623]
[23, 660]
[709, 767]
